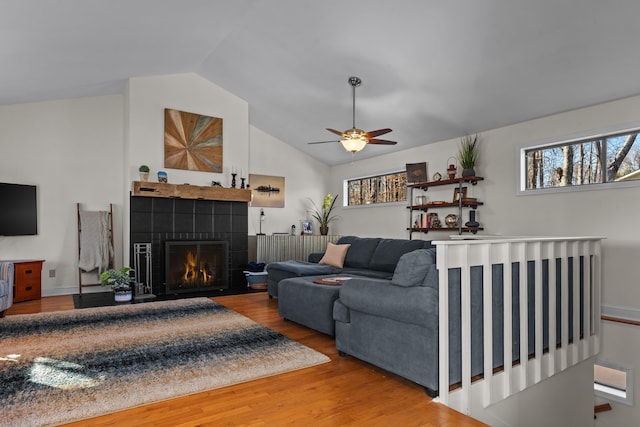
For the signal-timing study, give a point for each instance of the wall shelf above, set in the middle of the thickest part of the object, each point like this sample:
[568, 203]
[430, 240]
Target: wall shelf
[459, 204]
[187, 191]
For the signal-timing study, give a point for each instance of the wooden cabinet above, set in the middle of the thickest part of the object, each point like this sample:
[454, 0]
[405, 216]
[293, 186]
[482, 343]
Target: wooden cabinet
[27, 280]
[462, 202]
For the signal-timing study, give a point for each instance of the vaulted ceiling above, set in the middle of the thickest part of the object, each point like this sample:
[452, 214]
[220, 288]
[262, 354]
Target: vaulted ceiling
[431, 70]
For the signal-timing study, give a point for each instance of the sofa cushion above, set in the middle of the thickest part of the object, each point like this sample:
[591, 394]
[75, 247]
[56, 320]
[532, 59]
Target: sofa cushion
[361, 250]
[413, 267]
[389, 251]
[417, 305]
[334, 255]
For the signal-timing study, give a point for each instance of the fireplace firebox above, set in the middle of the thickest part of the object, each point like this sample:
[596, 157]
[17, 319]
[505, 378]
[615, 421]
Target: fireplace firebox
[193, 266]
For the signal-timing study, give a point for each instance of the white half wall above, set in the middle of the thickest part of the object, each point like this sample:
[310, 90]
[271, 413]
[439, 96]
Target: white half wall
[72, 151]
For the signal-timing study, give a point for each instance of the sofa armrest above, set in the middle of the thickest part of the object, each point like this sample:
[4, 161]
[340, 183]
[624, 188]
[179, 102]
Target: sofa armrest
[6, 271]
[315, 257]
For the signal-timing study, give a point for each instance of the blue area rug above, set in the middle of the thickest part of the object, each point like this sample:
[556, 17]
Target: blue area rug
[70, 365]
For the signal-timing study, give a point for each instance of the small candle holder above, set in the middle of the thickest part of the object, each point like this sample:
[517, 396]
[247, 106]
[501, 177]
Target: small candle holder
[242, 182]
[233, 180]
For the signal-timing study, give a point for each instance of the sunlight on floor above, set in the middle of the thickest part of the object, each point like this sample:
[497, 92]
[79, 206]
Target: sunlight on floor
[61, 374]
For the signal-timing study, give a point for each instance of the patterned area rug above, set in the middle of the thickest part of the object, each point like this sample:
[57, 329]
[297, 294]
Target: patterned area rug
[71, 365]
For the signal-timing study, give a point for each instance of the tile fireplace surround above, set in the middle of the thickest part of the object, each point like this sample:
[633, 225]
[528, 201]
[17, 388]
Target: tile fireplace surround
[157, 220]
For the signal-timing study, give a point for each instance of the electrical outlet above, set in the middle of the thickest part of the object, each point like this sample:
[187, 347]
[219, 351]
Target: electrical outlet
[52, 273]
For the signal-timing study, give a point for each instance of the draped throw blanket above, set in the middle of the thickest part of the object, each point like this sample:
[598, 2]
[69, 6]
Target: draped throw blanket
[95, 241]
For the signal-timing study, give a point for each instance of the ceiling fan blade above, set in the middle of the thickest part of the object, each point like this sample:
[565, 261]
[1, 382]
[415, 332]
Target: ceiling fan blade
[378, 132]
[321, 142]
[382, 142]
[337, 132]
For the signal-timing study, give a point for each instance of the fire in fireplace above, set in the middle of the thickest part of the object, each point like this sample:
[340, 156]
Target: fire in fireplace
[196, 265]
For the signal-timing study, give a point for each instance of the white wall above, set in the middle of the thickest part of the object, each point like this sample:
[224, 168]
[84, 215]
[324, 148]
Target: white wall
[611, 213]
[147, 97]
[304, 178]
[72, 151]
[88, 150]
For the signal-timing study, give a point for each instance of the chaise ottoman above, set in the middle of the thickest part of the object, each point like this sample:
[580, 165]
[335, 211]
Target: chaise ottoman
[307, 303]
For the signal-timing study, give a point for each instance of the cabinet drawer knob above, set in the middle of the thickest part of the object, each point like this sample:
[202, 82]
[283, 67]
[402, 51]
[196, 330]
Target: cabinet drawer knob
[28, 271]
[28, 288]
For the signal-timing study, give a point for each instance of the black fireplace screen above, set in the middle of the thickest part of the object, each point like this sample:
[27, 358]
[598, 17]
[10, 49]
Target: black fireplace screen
[196, 265]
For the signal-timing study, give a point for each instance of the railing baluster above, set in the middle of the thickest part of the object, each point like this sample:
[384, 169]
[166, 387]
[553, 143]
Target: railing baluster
[462, 254]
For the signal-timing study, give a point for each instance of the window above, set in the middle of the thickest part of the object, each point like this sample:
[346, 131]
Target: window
[595, 160]
[387, 188]
[613, 382]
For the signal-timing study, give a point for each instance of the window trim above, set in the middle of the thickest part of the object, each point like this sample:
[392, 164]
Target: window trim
[521, 161]
[345, 189]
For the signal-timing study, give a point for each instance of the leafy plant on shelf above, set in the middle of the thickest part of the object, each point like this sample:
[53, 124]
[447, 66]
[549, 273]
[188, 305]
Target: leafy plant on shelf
[324, 215]
[468, 151]
[119, 280]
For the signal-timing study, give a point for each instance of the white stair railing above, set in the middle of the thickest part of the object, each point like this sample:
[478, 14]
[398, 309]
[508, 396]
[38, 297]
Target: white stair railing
[579, 261]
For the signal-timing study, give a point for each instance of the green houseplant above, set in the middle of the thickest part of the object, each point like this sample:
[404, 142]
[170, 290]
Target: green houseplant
[144, 172]
[325, 214]
[120, 282]
[468, 154]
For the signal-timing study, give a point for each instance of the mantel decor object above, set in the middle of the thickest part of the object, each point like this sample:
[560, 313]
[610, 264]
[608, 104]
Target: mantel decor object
[144, 173]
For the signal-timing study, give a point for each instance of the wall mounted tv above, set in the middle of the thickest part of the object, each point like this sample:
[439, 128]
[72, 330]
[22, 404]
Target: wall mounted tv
[19, 211]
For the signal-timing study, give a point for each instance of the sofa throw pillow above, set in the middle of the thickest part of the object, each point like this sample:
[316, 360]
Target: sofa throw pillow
[334, 255]
[412, 268]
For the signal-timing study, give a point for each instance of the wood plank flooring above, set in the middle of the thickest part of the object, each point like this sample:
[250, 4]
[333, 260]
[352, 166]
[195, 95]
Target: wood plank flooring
[344, 392]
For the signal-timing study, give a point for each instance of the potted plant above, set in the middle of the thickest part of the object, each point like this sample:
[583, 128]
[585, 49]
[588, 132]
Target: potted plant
[324, 215]
[144, 173]
[120, 282]
[468, 154]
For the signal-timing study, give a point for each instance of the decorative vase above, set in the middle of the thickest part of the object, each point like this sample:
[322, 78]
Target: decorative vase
[468, 172]
[144, 176]
[122, 296]
[472, 220]
[324, 230]
[451, 220]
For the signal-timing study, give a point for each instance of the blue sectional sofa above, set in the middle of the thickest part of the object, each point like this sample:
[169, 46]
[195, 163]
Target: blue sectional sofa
[387, 314]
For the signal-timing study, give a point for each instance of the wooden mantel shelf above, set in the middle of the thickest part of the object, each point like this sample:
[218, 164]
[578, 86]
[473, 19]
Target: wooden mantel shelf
[186, 191]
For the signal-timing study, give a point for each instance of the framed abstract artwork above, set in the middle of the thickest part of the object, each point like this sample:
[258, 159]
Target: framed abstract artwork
[192, 141]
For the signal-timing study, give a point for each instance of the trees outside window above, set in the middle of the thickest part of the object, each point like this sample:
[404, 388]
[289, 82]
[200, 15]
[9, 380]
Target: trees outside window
[609, 158]
[387, 188]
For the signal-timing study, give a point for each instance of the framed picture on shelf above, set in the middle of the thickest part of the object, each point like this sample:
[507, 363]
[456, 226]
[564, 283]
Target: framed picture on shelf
[307, 227]
[416, 172]
[459, 192]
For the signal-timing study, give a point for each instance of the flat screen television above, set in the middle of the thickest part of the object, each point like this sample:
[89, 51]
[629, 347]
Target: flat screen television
[19, 211]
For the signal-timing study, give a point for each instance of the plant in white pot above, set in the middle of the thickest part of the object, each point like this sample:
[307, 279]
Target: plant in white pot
[468, 154]
[144, 173]
[120, 282]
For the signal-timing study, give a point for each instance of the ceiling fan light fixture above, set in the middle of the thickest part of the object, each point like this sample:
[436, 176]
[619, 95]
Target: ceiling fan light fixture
[354, 145]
